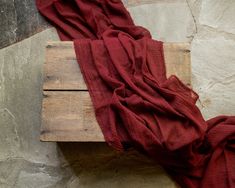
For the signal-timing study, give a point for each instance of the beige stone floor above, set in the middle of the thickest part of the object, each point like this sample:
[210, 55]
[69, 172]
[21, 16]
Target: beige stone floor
[25, 162]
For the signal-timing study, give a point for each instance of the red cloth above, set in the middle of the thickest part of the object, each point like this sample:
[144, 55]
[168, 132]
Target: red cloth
[135, 104]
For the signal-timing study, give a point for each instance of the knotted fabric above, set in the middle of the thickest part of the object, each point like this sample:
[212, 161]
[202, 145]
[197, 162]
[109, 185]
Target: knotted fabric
[135, 104]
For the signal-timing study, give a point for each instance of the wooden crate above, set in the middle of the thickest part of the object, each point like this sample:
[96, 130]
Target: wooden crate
[67, 111]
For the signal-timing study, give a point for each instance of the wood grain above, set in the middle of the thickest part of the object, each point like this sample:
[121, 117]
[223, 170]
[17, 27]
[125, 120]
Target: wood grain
[61, 70]
[67, 111]
[177, 61]
[69, 116]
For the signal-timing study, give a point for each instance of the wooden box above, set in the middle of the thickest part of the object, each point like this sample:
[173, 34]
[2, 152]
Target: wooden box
[67, 111]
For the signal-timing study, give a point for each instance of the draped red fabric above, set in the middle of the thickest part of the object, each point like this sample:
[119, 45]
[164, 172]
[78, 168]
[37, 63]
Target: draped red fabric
[135, 104]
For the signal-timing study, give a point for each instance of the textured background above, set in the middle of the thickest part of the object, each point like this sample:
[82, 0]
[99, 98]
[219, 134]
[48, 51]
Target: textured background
[25, 162]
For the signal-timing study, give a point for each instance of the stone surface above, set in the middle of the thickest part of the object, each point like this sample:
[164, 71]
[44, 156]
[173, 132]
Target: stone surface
[169, 21]
[19, 19]
[26, 162]
[20, 97]
[218, 14]
[213, 69]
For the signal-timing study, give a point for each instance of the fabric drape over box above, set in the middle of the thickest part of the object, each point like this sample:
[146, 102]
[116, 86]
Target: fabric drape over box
[136, 105]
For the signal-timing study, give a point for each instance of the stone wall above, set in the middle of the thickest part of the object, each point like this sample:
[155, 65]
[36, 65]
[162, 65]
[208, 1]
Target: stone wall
[25, 162]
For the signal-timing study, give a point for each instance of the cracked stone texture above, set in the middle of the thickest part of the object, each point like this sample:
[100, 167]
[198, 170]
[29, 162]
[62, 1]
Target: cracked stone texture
[26, 162]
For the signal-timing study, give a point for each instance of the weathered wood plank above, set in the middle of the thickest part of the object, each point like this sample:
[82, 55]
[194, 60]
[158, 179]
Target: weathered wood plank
[177, 61]
[61, 71]
[69, 116]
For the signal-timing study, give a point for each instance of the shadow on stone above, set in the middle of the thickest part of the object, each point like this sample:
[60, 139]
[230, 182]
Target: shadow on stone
[97, 163]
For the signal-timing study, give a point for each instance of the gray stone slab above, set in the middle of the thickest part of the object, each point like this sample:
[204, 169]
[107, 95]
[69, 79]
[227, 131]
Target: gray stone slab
[218, 14]
[169, 21]
[213, 69]
[20, 97]
[19, 20]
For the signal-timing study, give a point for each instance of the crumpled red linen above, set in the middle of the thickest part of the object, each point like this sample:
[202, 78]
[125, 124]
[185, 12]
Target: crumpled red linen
[135, 104]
